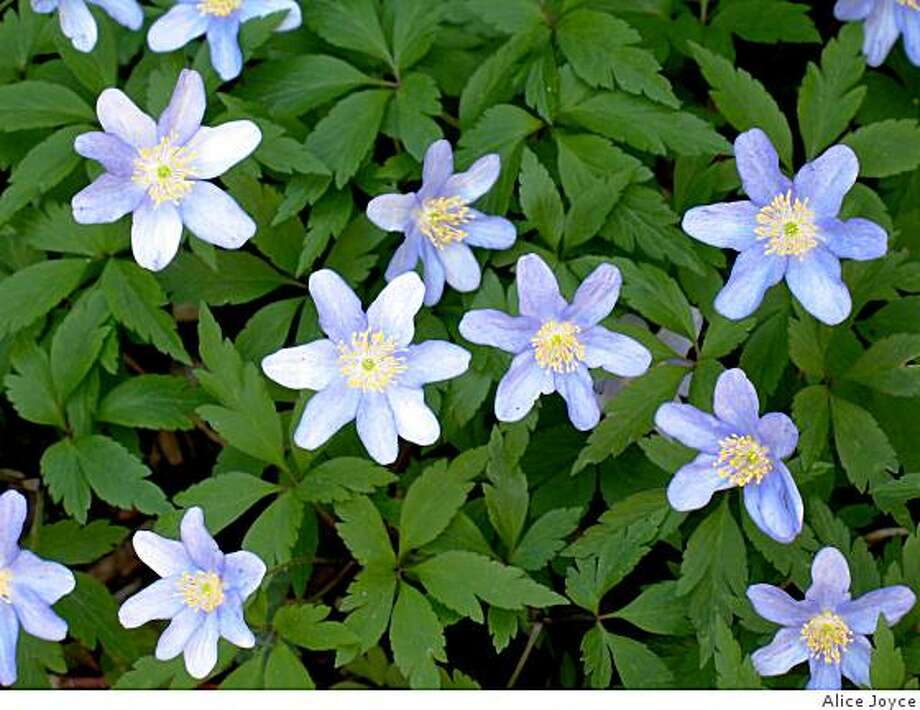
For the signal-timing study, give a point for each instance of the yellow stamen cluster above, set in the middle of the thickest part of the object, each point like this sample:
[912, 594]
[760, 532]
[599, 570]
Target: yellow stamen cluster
[910, 4]
[202, 590]
[789, 226]
[440, 218]
[742, 459]
[371, 361]
[556, 346]
[827, 635]
[6, 586]
[164, 170]
[219, 8]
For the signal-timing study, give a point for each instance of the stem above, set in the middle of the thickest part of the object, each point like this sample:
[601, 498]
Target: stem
[883, 534]
[5, 4]
[522, 661]
[333, 583]
[704, 8]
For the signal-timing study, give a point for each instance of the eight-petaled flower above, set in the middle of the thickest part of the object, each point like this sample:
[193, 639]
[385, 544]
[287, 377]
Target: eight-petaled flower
[884, 20]
[738, 448]
[78, 24]
[29, 586]
[201, 591]
[827, 628]
[367, 369]
[555, 343]
[220, 20]
[159, 171]
[789, 228]
[439, 224]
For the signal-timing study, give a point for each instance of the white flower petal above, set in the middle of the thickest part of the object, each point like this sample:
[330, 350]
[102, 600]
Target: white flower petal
[305, 367]
[121, 117]
[214, 216]
[218, 149]
[155, 234]
[415, 422]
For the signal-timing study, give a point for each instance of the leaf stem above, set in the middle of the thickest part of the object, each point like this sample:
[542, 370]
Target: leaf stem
[522, 661]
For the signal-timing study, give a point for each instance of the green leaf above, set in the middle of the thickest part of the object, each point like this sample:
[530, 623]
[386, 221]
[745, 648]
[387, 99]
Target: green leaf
[32, 390]
[864, 450]
[411, 114]
[743, 101]
[285, 671]
[40, 104]
[417, 638]
[636, 665]
[887, 669]
[657, 296]
[431, 502]
[363, 531]
[788, 21]
[237, 277]
[70, 543]
[306, 625]
[32, 291]
[764, 356]
[151, 402]
[887, 366]
[540, 200]
[415, 27]
[77, 343]
[733, 671]
[545, 538]
[370, 601]
[811, 410]
[886, 148]
[657, 610]
[341, 478]
[596, 658]
[350, 24]
[226, 497]
[509, 16]
[274, 534]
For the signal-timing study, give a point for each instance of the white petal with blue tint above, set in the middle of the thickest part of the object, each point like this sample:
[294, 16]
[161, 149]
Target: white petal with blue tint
[155, 234]
[577, 390]
[880, 32]
[48, 580]
[326, 412]
[777, 431]
[436, 168]
[752, 274]
[312, 366]
[127, 13]
[909, 22]
[734, 400]
[176, 636]
[595, 297]
[861, 614]
[214, 216]
[691, 427]
[538, 290]
[726, 224]
[36, 616]
[406, 255]
[121, 117]
[492, 327]
[826, 180]
[616, 353]
[116, 156]
[264, 8]
[824, 676]
[520, 388]
[183, 116]
[855, 238]
[232, 626]
[415, 422]
[107, 199]
[785, 651]
[460, 267]
[434, 272]
[377, 428]
[199, 544]
[218, 149]
[180, 25]
[201, 649]
[392, 212]
[161, 600]
[856, 660]
[433, 361]
[830, 577]
[340, 312]
[775, 504]
[774, 604]
[815, 281]
[78, 24]
[475, 182]
[489, 232]
[694, 484]
[393, 311]
[163, 556]
[13, 511]
[243, 572]
[9, 636]
[758, 166]
[226, 56]
[849, 10]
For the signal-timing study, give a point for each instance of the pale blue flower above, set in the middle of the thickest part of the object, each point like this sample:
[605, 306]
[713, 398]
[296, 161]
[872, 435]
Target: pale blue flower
[158, 171]
[439, 224]
[554, 343]
[366, 368]
[201, 592]
[884, 21]
[737, 448]
[789, 228]
[220, 20]
[28, 587]
[78, 24]
[827, 628]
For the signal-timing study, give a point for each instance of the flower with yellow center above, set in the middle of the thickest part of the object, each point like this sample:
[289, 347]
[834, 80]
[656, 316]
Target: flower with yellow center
[556, 346]
[6, 586]
[827, 636]
[742, 459]
[789, 226]
[371, 361]
[202, 590]
[219, 8]
[440, 219]
[910, 4]
[164, 170]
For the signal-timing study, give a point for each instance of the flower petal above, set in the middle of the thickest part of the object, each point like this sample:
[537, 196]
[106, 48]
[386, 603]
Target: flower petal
[778, 432]
[758, 166]
[107, 199]
[127, 13]
[183, 116]
[176, 636]
[161, 600]
[752, 274]
[232, 625]
[577, 390]
[391, 212]
[201, 649]
[520, 388]
[180, 25]
[49, 581]
[491, 327]
[694, 484]
[377, 428]
[815, 281]
[596, 296]
[691, 427]
[735, 402]
[434, 361]
[13, 511]
[726, 224]
[199, 544]
[616, 353]
[856, 238]
[774, 604]
[785, 651]
[215, 217]
[304, 367]
[538, 290]
[163, 556]
[460, 267]
[9, 636]
[856, 660]
[850, 10]
[406, 255]
[910, 30]
[226, 56]
[116, 156]
[120, 116]
[264, 8]
[436, 168]
[36, 617]
[861, 614]
[415, 422]
[775, 504]
[155, 234]
[243, 572]
[489, 232]
[326, 412]
[824, 676]
[469, 186]
[830, 578]
[434, 273]
[394, 309]
[880, 32]
[340, 312]
[826, 180]
[218, 149]
[78, 24]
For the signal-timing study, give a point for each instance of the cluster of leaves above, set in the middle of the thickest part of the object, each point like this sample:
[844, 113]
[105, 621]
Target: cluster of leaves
[611, 117]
